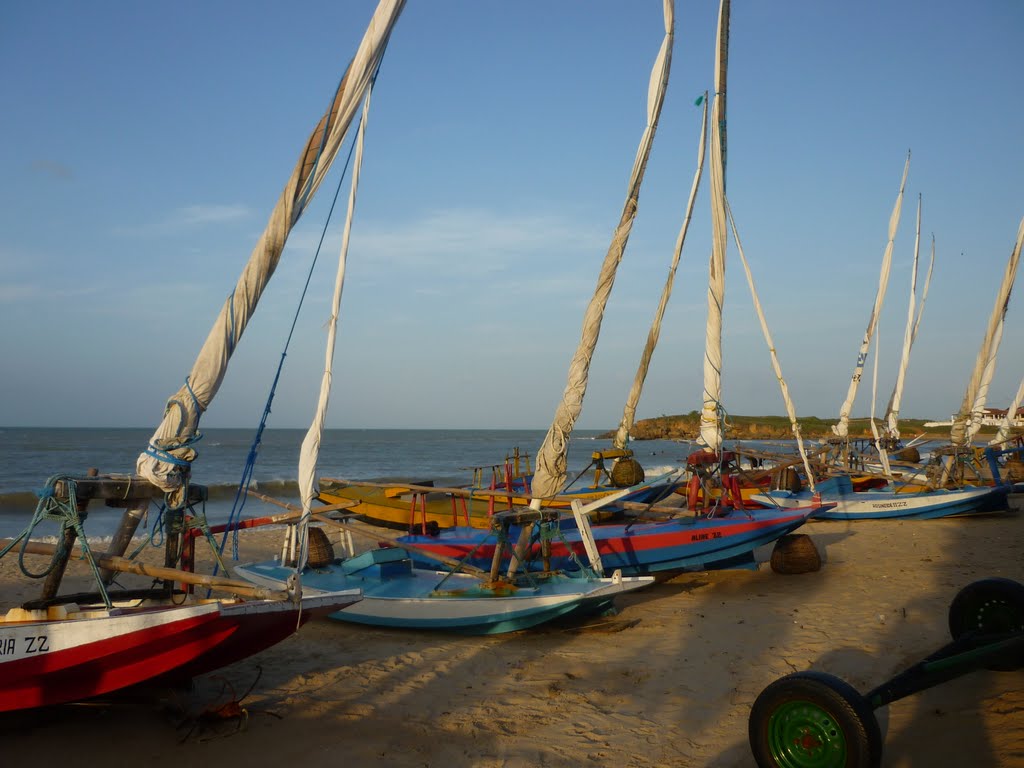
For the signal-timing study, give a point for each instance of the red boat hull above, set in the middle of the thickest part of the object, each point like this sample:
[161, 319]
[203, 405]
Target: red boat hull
[52, 669]
[47, 662]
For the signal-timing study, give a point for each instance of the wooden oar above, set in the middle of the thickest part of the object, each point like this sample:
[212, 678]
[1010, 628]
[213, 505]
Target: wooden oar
[632, 505]
[453, 491]
[124, 565]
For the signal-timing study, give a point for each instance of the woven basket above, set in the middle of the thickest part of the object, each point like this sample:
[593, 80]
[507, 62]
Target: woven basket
[910, 453]
[795, 553]
[627, 472]
[321, 552]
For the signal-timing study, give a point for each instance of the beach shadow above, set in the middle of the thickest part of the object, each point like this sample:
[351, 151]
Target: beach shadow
[825, 538]
[950, 723]
[961, 721]
[924, 738]
[669, 680]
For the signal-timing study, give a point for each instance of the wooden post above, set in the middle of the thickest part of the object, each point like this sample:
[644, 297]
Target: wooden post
[133, 515]
[52, 584]
[499, 550]
[174, 527]
[519, 553]
[243, 588]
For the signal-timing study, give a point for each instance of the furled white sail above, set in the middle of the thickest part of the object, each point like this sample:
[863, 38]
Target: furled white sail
[309, 454]
[629, 411]
[166, 461]
[842, 428]
[550, 471]
[892, 411]
[883, 454]
[959, 434]
[1003, 434]
[711, 413]
[987, 374]
[776, 366]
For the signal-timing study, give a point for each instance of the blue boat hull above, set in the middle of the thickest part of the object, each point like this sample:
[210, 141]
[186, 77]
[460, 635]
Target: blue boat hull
[395, 594]
[882, 504]
[636, 548]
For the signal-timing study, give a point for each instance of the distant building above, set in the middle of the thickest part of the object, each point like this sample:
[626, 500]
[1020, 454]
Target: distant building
[990, 417]
[996, 416]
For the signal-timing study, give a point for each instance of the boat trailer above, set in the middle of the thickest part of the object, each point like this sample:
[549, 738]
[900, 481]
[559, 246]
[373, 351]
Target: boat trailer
[817, 719]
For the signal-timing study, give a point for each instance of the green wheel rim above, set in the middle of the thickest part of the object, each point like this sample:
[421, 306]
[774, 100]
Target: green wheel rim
[803, 735]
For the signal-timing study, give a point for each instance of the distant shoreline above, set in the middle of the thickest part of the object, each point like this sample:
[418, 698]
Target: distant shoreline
[687, 427]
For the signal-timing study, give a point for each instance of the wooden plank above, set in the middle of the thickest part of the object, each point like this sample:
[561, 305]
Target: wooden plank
[457, 491]
[124, 565]
[120, 490]
[449, 561]
[320, 516]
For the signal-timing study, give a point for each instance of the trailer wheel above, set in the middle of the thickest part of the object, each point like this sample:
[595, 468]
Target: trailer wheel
[813, 720]
[990, 606]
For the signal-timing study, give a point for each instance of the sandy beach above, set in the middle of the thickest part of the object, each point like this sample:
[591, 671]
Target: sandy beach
[668, 681]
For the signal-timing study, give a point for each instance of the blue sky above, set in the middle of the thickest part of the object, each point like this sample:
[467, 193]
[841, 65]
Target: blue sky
[146, 143]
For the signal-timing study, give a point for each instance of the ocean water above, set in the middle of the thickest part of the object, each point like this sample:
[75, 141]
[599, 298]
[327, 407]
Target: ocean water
[30, 456]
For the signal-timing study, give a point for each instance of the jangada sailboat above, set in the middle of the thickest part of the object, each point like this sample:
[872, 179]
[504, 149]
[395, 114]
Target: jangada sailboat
[421, 504]
[396, 592]
[431, 592]
[717, 536]
[947, 490]
[69, 647]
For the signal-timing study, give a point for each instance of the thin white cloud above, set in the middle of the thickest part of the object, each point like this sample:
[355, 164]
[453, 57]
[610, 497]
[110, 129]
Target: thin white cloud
[54, 169]
[193, 215]
[11, 293]
[190, 216]
[478, 240]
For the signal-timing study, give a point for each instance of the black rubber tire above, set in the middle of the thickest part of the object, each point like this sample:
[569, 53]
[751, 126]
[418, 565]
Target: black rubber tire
[838, 726]
[988, 606]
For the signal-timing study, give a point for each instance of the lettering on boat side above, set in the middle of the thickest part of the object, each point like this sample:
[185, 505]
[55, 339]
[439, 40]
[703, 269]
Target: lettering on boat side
[706, 536]
[889, 504]
[37, 644]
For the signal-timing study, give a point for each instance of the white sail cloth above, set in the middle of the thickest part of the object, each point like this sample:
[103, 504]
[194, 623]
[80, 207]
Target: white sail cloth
[550, 471]
[166, 461]
[976, 413]
[309, 454]
[1003, 434]
[960, 433]
[633, 399]
[892, 411]
[710, 432]
[842, 429]
[776, 366]
[883, 454]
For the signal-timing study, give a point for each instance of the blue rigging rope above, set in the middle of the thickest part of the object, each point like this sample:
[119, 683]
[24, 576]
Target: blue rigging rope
[250, 463]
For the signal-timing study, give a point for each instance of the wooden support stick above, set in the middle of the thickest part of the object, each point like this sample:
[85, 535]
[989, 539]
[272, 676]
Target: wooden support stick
[632, 505]
[322, 518]
[449, 561]
[52, 584]
[124, 565]
[498, 492]
[130, 520]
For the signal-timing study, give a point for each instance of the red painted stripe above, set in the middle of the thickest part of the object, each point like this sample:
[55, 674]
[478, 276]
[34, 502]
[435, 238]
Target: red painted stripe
[109, 664]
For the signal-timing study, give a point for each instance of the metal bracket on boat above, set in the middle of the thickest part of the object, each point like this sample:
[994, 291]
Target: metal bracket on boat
[587, 536]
